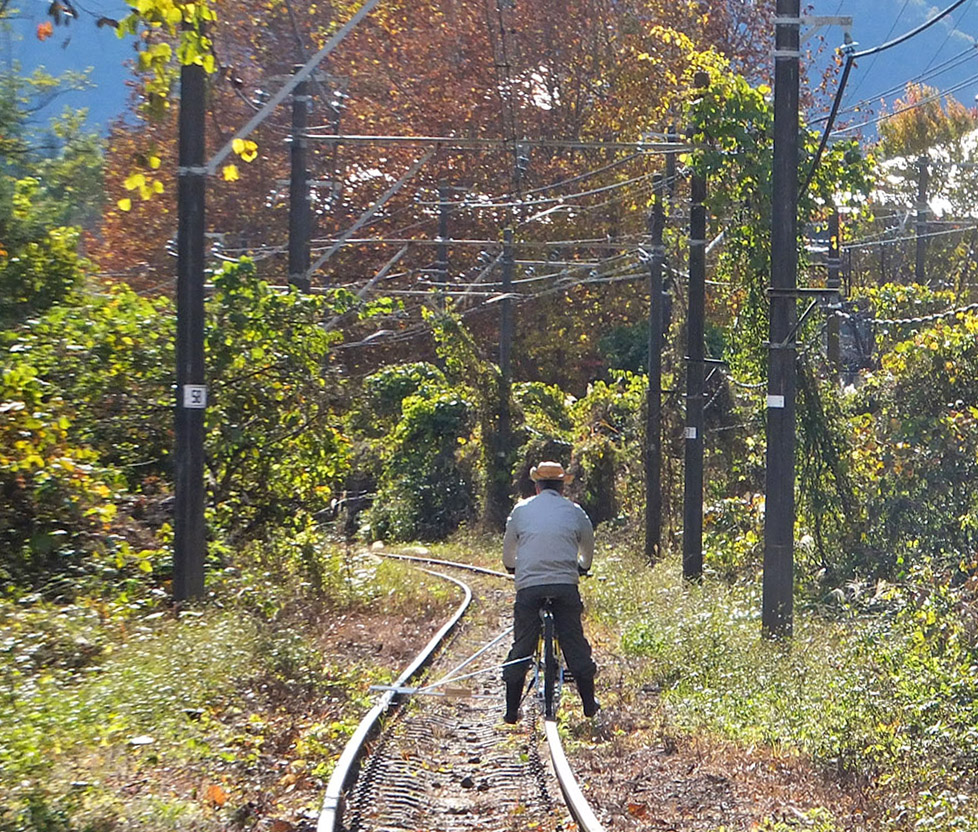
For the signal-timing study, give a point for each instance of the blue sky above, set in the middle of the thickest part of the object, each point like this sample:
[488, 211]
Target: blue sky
[944, 56]
[78, 46]
[945, 52]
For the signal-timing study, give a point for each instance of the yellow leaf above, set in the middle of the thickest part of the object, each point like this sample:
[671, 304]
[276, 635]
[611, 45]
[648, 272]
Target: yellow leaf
[230, 173]
[157, 187]
[250, 151]
[125, 204]
[238, 146]
[154, 162]
[137, 180]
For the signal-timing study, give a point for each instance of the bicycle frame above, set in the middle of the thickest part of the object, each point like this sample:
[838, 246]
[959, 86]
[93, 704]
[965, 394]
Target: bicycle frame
[548, 671]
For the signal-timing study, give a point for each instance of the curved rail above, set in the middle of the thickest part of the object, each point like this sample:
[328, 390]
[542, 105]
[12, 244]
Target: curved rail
[345, 772]
[577, 804]
[348, 765]
[482, 570]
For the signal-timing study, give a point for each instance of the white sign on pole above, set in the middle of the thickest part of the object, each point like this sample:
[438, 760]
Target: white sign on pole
[195, 396]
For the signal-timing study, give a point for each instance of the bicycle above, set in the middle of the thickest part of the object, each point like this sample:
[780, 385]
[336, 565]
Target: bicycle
[548, 669]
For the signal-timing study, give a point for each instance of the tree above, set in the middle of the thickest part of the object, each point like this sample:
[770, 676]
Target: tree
[923, 120]
[50, 181]
[936, 132]
[588, 70]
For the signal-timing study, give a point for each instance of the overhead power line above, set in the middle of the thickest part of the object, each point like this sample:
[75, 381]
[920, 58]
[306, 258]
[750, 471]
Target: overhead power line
[946, 66]
[923, 101]
[893, 25]
[368, 214]
[461, 142]
[307, 69]
[851, 57]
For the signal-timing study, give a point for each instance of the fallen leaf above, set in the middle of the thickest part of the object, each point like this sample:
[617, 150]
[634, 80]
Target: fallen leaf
[638, 810]
[216, 795]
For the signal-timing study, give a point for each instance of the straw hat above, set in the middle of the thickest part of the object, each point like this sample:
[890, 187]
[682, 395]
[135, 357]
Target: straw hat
[549, 471]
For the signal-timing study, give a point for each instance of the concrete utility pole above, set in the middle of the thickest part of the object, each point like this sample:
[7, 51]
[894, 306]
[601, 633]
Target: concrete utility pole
[923, 180]
[189, 531]
[695, 375]
[443, 207]
[653, 414]
[779, 524]
[671, 137]
[834, 282]
[498, 474]
[506, 308]
[189, 534]
[299, 213]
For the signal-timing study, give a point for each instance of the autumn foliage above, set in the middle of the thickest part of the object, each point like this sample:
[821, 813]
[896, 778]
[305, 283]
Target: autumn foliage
[511, 78]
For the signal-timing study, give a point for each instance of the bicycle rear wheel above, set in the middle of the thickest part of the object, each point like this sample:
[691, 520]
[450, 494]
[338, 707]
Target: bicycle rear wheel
[549, 668]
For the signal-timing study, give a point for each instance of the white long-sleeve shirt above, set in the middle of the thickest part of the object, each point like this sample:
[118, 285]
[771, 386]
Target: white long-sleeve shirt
[547, 537]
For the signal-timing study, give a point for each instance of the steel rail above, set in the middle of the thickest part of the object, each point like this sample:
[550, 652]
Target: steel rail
[574, 798]
[577, 804]
[482, 570]
[347, 767]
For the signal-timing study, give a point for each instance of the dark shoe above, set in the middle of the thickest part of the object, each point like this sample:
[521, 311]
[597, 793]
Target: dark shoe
[514, 693]
[585, 687]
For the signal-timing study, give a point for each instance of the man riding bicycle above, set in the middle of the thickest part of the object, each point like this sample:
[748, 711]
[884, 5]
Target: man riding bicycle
[549, 544]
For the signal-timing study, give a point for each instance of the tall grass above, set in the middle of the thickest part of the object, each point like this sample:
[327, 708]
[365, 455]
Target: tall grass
[886, 693]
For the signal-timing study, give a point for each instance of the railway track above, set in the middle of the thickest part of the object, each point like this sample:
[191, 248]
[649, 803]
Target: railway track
[442, 761]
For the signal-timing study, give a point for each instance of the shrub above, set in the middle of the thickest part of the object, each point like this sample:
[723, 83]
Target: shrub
[608, 431]
[424, 492]
[544, 409]
[275, 450]
[56, 495]
[112, 358]
[915, 448]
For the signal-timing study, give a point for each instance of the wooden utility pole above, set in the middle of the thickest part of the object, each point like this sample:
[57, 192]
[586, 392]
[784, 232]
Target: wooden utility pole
[653, 413]
[834, 282]
[299, 213]
[779, 523]
[189, 534]
[695, 375]
[923, 180]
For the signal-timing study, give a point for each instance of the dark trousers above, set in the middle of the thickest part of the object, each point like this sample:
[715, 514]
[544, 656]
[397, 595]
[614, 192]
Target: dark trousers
[567, 608]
